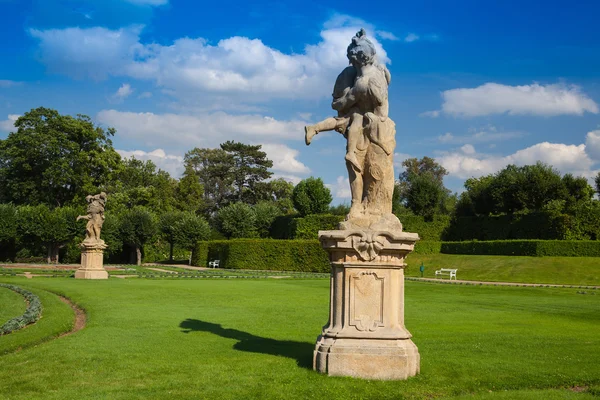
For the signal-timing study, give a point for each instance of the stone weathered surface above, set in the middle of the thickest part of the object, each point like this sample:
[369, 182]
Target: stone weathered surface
[365, 336]
[92, 248]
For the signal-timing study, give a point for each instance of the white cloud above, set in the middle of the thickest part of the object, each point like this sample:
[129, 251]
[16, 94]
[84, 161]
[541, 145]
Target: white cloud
[398, 159]
[145, 95]
[341, 188]
[486, 135]
[592, 144]
[205, 130]
[235, 66]
[7, 83]
[534, 99]
[468, 149]
[566, 158]
[290, 178]
[411, 37]
[284, 158]
[123, 92]
[385, 35]
[171, 163]
[8, 125]
[432, 114]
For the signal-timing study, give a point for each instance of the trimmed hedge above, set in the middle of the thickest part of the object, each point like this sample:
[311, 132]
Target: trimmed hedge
[433, 230]
[556, 248]
[263, 254]
[428, 247]
[31, 315]
[308, 227]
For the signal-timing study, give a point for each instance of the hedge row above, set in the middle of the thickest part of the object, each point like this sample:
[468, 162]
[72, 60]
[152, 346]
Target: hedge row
[263, 254]
[433, 230]
[308, 227]
[31, 315]
[557, 248]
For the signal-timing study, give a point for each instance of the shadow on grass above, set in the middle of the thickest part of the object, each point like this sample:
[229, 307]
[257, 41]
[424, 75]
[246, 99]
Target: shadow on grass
[299, 351]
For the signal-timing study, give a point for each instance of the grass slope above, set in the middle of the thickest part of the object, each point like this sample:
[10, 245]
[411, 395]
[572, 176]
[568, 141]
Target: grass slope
[550, 270]
[161, 339]
[12, 305]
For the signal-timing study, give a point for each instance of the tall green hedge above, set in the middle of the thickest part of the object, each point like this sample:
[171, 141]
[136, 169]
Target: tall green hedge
[308, 227]
[558, 248]
[433, 230]
[264, 254]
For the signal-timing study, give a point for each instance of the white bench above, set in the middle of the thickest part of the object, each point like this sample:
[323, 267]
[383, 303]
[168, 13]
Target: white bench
[214, 263]
[446, 271]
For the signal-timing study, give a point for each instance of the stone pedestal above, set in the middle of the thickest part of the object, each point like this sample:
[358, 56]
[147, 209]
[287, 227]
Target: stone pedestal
[92, 261]
[365, 336]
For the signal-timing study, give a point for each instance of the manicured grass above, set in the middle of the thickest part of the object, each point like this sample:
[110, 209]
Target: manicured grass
[57, 317]
[243, 339]
[12, 304]
[550, 270]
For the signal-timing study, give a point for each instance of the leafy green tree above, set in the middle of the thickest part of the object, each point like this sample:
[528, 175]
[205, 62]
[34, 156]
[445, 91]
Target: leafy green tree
[265, 213]
[213, 168]
[39, 226]
[168, 224]
[278, 191]
[189, 230]
[424, 195]
[311, 196]
[189, 193]
[55, 159]
[420, 188]
[237, 220]
[597, 182]
[340, 209]
[250, 166]
[141, 183]
[137, 228]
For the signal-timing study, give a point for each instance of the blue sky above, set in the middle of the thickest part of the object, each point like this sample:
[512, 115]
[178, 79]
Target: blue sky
[476, 85]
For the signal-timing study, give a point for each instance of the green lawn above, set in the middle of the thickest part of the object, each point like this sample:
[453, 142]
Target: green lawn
[550, 270]
[12, 305]
[239, 339]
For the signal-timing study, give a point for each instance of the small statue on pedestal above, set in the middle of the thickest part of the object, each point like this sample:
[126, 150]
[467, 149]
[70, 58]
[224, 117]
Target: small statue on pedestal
[92, 247]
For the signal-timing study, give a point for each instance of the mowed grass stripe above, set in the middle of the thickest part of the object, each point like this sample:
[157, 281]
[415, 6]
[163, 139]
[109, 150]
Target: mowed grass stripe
[254, 339]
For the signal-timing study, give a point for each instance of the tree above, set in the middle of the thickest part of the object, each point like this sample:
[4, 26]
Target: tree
[237, 220]
[8, 230]
[421, 189]
[168, 224]
[424, 195]
[189, 230]
[278, 191]
[311, 196]
[137, 228]
[213, 168]
[141, 183]
[250, 166]
[265, 213]
[189, 193]
[55, 159]
[597, 181]
[39, 226]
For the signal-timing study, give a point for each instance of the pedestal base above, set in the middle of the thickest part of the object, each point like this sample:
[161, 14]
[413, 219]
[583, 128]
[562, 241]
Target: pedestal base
[92, 259]
[367, 359]
[365, 336]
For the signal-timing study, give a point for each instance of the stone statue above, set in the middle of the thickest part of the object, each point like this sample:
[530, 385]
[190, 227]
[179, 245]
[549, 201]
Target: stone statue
[360, 96]
[365, 336]
[95, 217]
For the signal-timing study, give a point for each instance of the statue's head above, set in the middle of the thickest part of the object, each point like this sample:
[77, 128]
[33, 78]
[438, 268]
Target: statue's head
[361, 51]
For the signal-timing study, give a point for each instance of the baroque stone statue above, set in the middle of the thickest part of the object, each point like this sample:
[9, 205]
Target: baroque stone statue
[360, 97]
[95, 217]
[365, 336]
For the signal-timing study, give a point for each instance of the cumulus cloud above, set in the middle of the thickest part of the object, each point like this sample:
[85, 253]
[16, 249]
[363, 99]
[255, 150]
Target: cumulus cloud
[145, 95]
[566, 158]
[398, 159]
[592, 144]
[284, 158]
[385, 35]
[534, 99]
[8, 125]
[171, 163]
[206, 130]
[341, 188]
[233, 66]
[411, 37]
